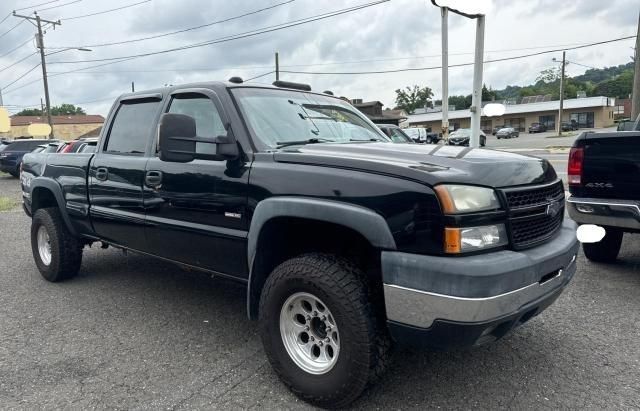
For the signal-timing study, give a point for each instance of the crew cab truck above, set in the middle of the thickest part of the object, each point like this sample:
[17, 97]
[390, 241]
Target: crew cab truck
[344, 244]
[604, 182]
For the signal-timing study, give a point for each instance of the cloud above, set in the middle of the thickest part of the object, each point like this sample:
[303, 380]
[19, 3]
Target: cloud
[394, 35]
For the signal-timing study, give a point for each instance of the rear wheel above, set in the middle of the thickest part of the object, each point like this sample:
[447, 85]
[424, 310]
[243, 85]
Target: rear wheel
[320, 331]
[607, 249]
[57, 253]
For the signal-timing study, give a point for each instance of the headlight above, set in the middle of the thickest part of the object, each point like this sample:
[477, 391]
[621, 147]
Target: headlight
[462, 240]
[456, 199]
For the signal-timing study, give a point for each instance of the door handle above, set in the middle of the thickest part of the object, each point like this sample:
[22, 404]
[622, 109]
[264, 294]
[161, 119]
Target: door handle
[102, 173]
[153, 179]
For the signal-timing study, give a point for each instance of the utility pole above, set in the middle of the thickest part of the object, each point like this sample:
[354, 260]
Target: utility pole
[133, 87]
[635, 97]
[1, 103]
[43, 63]
[445, 73]
[564, 55]
[476, 99]
[41, 106]
[277, 67]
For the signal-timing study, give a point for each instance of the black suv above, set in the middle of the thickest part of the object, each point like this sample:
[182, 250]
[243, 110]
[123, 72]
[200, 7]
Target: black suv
[344, 241]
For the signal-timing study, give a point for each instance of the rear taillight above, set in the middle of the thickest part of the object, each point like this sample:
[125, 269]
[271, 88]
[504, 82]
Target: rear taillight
[576, 161]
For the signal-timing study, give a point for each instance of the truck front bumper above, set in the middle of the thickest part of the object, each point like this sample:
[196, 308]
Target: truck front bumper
[614, 213]
[450, 302]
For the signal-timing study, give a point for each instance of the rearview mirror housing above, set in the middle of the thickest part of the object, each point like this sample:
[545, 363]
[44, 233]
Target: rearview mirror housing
[177, 138]
[178, 141]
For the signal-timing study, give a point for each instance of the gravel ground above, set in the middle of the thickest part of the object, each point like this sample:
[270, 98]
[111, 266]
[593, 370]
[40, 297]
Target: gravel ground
[134, 332]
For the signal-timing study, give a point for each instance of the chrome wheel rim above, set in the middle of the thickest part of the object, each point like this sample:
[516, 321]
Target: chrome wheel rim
[44, 245]
[309, 333]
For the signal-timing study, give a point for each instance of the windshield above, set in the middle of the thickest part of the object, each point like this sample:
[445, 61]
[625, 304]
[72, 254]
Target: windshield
[462, 132]
[277, 117]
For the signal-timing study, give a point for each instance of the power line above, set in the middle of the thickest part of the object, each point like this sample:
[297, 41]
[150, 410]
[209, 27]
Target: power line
[33, 6]
[257, 77]
[251, 33]
[60, 5]
[457, 65]
[18, 62]
[16, 48]
[184, 30]
[11, 29]
[106, 11]
[22, 76]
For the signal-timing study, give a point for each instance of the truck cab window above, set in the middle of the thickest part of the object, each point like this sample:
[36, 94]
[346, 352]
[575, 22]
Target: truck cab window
[208, 121]
[132, 127]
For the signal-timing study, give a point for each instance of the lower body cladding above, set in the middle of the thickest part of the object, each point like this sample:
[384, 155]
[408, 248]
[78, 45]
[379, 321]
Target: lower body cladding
[601, 211]
[453, 302]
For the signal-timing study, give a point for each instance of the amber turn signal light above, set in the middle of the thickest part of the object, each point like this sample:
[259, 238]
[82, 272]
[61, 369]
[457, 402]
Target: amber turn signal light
[452, 240]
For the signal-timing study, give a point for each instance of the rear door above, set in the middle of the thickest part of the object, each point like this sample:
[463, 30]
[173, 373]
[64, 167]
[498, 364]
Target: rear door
[197, 211]
[612, 165]
[116, 174]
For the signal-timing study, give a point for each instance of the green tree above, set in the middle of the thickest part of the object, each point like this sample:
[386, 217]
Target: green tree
[29, 112]
[550, 75]
[61, 110]
[67, 109]
[488, 94]
[411, 98]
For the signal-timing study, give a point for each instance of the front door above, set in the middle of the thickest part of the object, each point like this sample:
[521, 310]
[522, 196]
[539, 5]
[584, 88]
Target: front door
[196, 212]
[117, 172]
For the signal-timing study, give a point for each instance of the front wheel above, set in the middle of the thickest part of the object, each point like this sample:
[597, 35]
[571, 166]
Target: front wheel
[57, 253]
[319, 330]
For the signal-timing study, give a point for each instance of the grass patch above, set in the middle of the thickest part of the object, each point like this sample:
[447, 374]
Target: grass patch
[7, 204]
[3, 174]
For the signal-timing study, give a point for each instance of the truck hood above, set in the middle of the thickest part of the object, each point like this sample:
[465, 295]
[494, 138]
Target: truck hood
[429, 164]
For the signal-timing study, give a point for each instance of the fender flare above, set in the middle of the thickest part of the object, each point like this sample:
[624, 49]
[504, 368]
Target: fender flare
[371, 225]
[56, 190]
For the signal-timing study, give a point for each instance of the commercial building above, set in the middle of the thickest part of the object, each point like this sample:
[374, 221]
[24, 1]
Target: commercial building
[64, 127]
[587, 112]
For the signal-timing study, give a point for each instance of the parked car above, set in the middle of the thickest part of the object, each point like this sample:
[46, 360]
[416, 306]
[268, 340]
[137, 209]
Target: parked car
[604, 182]
[537, 128]
[342, 245]
[626, 125]
[89, 147]
[4, 144]
[76, 145]
[422, 135]
[11, 156]
[507, 132]
[569, 126]
[496, 129]
[395, 133]
[461, 136]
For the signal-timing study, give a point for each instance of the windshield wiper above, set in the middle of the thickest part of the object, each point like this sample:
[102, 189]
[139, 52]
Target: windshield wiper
[314, 140]
[365, 139]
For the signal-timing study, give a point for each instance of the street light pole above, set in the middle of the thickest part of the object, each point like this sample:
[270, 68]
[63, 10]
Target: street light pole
[564, 53]
[445, 73]
[476, 99]
[43, 63]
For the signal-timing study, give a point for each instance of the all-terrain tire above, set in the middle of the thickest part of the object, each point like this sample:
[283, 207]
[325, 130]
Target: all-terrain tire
[607, 249]
[364, 341]
[65, 249]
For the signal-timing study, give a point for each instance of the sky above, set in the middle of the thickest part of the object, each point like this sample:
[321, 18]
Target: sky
[396, 34]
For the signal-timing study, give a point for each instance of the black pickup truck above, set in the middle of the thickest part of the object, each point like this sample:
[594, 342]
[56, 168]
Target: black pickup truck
[345, 241]
[604, 182]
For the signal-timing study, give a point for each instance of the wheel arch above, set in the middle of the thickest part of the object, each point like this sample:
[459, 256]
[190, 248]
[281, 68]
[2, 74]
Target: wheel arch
[46, 193]
[274, 218]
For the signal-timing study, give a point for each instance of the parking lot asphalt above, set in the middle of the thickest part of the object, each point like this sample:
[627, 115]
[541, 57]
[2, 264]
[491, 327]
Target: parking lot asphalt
[134, 332]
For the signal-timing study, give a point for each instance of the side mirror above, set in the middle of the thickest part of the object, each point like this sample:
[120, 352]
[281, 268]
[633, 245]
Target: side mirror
[177, 138]
[178, 141]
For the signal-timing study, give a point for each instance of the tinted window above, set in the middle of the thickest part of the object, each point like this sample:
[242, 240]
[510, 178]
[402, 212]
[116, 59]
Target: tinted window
[208, 122]
[132, 127]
